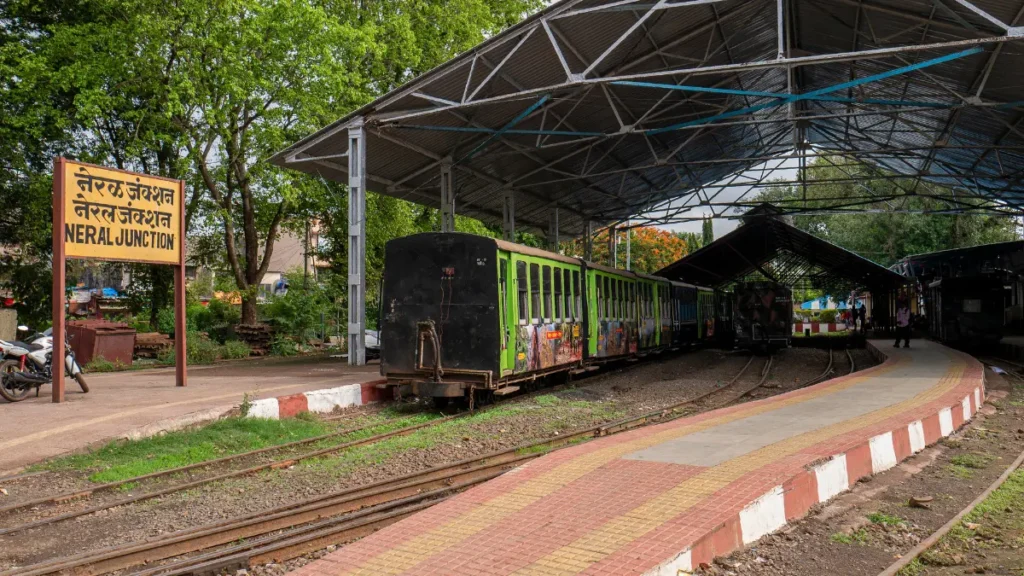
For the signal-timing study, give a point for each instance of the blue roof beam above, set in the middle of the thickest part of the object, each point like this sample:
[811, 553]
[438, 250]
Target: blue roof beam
[519, 118]
[820, 92]
[757, 94]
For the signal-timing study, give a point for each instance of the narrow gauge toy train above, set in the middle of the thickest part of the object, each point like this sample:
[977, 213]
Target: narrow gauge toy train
[763, 315]
[463, 313]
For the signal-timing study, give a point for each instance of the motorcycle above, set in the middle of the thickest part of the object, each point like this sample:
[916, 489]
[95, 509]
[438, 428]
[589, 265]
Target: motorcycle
[27, 364]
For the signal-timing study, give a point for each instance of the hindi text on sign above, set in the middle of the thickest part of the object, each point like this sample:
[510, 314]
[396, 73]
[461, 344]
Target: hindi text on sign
[115, 215]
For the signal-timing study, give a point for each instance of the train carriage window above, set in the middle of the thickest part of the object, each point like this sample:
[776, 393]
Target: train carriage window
[622, 301]
[557, 280]
[502, 305]
[577, 309]
[600, 295]
[521, 287]
[613, 301]
[567, 295]
[547, 293]
[535, 292]
[607, 295]
[633, 300]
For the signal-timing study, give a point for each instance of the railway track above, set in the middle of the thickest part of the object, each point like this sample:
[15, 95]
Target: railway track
[295, 529]
[86, 493]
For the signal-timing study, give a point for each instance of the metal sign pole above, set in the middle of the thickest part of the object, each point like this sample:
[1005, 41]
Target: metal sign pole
[57, 362]
[180, 327]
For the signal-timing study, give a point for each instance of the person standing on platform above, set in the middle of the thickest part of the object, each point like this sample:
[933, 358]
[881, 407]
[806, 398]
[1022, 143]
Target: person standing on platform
[902, 324]
[863, 313]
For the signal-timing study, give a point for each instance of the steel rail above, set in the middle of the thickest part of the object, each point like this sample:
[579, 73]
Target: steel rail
[930, 541]
[392, 493]
[853, 365]
[227, 475]
[76, 494]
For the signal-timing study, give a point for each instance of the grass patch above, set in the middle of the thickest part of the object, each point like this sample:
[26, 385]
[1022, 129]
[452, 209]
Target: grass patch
[858, 536]
[120, 460]
[915, 568]
[547, 400]
[971, 460]
[884, 519]
[960, 471]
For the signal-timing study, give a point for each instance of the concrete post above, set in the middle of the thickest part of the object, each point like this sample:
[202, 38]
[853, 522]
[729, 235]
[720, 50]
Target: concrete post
[357, 243]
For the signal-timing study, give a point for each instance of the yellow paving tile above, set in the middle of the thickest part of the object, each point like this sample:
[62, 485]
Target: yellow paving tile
[451, 533]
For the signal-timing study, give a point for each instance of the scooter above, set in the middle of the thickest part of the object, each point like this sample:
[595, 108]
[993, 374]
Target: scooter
[28, 364]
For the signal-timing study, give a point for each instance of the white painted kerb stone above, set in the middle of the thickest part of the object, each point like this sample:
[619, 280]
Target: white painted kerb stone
[764, 515]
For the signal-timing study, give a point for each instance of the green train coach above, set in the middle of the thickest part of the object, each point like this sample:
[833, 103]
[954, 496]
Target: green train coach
[463, 314]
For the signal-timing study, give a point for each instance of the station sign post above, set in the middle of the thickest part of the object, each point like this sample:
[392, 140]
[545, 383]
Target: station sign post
[107, 214]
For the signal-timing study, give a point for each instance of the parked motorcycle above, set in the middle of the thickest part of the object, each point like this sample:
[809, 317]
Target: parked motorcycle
[27, 364]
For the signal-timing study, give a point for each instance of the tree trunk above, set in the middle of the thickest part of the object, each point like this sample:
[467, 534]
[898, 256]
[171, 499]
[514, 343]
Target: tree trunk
[249, 308]
[161, 282]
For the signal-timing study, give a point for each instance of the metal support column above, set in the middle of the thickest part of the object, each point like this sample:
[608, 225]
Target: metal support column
[588, 243]
[447, 197]
[629, 235]
[508, 213]
[357, 243]
[613, 246]
[553, 231]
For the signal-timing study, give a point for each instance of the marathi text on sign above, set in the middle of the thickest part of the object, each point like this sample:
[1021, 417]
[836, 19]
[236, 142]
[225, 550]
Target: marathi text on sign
[113, 215]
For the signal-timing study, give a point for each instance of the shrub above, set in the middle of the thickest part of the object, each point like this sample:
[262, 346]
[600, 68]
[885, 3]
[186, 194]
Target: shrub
[827, 316]
[200, 349]
[235, 349]
[284, 347]
[101, 364]
[299, 313]
[165, 321]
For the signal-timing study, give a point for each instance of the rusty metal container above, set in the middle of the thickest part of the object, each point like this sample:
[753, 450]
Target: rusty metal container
[114, 341]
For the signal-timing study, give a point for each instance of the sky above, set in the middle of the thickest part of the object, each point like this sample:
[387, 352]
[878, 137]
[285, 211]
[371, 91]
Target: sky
[722, 226]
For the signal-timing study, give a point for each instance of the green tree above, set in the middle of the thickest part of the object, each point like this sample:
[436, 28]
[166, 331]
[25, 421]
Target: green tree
[205, 92]
[893, 228]
[707, 235]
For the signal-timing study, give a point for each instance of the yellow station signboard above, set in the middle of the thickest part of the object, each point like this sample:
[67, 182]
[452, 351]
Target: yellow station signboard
[115, 215]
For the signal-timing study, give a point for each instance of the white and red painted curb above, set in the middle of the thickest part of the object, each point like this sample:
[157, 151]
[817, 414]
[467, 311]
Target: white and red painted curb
[325, 400]
[820, 483]
[818, 327]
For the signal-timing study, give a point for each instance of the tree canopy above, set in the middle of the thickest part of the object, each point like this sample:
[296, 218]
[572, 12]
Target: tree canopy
[890, 230]
[204, 92]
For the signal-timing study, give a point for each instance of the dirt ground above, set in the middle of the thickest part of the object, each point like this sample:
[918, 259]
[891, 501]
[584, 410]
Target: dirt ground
[865, 530]
[612, 394]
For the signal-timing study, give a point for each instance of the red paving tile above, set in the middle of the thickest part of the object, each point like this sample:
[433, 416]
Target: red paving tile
[586, 509]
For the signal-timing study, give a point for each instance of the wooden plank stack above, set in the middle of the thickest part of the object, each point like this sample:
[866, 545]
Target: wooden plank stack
[259, 337]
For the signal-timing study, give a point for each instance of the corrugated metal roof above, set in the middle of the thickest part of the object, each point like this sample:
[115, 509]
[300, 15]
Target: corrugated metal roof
[599, 150]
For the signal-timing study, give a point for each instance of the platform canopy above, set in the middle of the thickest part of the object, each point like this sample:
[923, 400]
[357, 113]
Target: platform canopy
[767, 247]
[1001, 258]
[609, 109]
